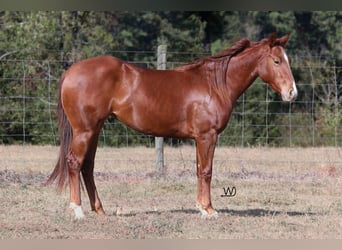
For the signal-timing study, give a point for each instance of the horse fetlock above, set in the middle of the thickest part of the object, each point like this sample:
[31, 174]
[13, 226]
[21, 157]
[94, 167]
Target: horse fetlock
[99, 210]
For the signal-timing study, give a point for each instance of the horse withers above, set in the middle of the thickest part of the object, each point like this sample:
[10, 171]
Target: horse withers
[192, 101]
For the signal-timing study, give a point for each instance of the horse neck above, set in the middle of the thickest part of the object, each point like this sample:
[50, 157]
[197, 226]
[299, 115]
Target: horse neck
[242, 71]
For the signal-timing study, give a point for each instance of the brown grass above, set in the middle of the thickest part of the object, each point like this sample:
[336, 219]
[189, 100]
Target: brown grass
[286, 193]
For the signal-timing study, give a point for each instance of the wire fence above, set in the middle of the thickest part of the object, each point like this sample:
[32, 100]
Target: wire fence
[28, 107]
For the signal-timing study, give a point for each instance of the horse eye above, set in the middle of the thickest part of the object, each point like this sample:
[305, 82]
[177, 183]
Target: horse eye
[277, 62]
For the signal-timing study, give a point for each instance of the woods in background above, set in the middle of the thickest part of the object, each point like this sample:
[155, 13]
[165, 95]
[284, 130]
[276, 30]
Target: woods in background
[36, 47]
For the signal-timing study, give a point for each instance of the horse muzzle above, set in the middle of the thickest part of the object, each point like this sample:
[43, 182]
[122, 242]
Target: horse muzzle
[291, 94]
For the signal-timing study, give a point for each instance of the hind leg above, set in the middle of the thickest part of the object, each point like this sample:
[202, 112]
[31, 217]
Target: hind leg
[76, 160]
[88, 177]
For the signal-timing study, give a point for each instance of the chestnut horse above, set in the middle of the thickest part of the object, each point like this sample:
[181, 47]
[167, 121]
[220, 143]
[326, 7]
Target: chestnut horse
[192, 101]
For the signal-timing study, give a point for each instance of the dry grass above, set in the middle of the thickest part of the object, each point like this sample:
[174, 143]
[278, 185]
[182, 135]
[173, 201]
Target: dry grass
[286, 193]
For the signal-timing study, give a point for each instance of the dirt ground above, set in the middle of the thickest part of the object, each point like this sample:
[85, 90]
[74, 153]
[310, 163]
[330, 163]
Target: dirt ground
[281, 193]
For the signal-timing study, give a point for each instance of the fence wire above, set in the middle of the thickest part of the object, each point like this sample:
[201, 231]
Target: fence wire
[28, 90]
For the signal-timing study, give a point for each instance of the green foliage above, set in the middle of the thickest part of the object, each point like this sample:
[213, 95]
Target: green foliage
[36, 47]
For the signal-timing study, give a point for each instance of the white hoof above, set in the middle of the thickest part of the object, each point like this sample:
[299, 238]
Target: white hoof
[210, 216]
[205, 214]
[79, 215]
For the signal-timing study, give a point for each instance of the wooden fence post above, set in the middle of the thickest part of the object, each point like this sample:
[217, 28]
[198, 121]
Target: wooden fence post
[159, 141]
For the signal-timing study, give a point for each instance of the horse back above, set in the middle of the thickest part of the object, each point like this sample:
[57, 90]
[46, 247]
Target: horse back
[164, 103]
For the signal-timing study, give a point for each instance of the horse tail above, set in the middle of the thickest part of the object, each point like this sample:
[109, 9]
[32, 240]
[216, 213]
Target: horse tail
[60, 171]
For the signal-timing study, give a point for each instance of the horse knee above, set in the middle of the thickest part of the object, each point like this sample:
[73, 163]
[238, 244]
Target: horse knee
[206, 173]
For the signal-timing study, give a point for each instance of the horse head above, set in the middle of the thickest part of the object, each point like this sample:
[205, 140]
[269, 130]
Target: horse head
[274, 68]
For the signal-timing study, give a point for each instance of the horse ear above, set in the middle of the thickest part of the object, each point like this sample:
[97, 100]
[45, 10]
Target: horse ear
[283, 40]
[272, 39]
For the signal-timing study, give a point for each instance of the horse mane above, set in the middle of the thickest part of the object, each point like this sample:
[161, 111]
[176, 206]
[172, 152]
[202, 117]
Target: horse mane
[235, 49]
[217, 76]
[217, 65]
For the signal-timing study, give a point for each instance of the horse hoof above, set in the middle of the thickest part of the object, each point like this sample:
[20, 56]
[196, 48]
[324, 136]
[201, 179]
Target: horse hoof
[100, 212]
[210, 216]
[205, 214]
[79, 215]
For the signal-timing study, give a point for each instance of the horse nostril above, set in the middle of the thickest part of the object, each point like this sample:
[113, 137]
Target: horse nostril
[293, 94]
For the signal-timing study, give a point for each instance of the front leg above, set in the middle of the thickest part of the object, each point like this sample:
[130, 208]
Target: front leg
[205, 148]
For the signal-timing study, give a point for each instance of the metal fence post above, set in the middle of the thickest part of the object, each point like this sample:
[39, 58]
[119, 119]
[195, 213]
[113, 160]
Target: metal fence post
[159, 141]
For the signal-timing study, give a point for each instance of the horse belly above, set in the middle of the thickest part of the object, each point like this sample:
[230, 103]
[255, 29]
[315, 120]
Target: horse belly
[156, 122]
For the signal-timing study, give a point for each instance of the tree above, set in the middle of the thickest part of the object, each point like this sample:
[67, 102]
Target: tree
[36, 47]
